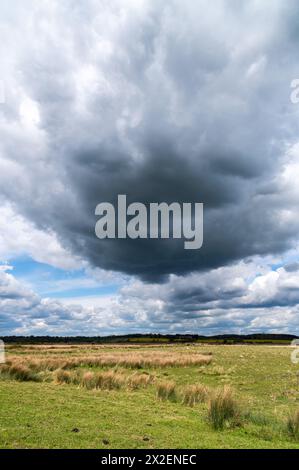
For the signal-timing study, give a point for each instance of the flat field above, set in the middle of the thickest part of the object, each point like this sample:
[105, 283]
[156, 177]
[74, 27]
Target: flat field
[149, 396]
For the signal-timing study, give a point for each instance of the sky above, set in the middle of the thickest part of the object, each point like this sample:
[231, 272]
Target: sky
[162, 101]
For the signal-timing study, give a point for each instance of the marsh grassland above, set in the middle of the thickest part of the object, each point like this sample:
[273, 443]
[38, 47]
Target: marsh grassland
[149, 396]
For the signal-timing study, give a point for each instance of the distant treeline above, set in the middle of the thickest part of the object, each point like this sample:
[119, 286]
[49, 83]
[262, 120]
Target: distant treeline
[153, 338]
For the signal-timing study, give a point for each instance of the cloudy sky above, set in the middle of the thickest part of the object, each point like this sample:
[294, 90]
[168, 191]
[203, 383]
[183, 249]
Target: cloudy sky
[161, 101]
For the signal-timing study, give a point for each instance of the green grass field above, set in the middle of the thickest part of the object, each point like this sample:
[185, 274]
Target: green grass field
[43, 413]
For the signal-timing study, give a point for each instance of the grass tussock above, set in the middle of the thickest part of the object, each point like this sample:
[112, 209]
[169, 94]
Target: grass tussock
[166, 391]
[136, 381]
[110, 380]
[65, 377]
[88, 380]
[193, 394]
[223, 410]
[293, 425]
[19, 372]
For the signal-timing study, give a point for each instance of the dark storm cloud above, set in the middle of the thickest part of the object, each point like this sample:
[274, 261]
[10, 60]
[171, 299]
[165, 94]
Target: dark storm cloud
[162, 103]
[292, 267]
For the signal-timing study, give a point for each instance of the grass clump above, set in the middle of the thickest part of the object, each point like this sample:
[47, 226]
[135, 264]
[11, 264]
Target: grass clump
[166, 391]
[88, 380]
[293, 425]
[258, 419]
[223, 410]
[109, 380]
[193, 394]
[62, 376]
[21, 373]
[136, 381]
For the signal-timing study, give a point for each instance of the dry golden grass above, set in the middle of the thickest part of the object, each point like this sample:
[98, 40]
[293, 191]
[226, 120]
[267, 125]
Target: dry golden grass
[110, 380]
[193, 394]
[166, 391]
[223, 410]
[44, 348]
[189, 395]
[89, 380]
[132, 360]
[107, 380]
[19, 372]
[64, 377]
[140, 380]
